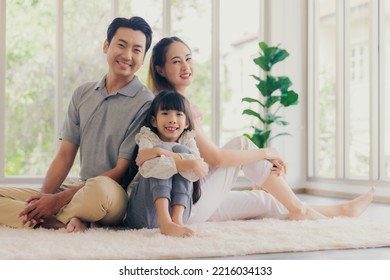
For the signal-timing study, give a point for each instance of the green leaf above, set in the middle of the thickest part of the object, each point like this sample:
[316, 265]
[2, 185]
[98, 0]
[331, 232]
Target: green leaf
[252, 100]
[282, 123]
[252, 113]
[256, 77]
[263, 62]
[271, 118]
[263, 46]
[289, 98]
[284, 83]
[271, 100]
[260, 138]
[268, 86]
[279, 134]
[279, 55]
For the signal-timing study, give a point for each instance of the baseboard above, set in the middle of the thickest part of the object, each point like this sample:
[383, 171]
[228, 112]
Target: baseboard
[328, 193]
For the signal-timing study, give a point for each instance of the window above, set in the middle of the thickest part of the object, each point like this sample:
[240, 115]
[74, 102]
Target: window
[348, 94]
[59, 46]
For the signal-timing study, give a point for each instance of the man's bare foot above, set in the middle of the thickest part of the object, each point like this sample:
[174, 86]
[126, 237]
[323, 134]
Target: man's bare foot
[357, 206]
[76, 225]
[52, 223]
[305, 213]
[173, 229]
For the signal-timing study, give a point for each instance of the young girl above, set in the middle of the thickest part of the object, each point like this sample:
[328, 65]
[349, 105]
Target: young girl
[165, 192]
[171, 67]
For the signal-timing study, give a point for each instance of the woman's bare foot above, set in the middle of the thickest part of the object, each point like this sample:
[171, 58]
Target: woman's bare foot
[173, 229]
[76, 225]
[357, 206]
[305, 213]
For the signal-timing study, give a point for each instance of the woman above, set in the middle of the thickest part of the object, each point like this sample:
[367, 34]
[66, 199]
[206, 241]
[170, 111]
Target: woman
[171, 67]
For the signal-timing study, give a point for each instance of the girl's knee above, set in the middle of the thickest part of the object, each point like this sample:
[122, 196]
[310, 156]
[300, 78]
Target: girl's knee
[163, 146]
[181, 149]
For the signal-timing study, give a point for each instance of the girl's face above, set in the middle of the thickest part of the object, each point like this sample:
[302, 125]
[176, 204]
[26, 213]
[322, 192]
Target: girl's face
[170, 124]
[178, 69]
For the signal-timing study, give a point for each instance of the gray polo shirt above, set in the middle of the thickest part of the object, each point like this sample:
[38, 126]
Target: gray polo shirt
[104, 126]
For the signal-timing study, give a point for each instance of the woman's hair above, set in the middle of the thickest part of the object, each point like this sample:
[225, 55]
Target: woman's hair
[169, 100]
[155, 81]
[172, 100]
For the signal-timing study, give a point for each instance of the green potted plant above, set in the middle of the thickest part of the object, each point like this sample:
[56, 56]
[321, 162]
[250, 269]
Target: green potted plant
[274, 93]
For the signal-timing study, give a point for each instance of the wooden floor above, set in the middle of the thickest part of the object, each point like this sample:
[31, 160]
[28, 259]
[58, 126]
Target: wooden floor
[346, 254]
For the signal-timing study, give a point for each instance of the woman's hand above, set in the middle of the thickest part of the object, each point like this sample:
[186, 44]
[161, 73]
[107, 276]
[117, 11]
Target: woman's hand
[279, 167]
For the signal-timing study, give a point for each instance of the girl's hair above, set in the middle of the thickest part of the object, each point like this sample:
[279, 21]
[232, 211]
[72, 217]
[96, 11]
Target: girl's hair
[169, 100]
[155, 81]
[172, 100]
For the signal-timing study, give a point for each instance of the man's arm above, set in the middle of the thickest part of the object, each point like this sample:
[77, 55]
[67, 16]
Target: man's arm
[119, 171]
[49, 202]
[60, 167]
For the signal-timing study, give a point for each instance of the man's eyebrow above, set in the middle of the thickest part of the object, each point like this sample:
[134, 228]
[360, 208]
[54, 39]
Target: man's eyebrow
[136, 45]
[123, 41]
[139, 46]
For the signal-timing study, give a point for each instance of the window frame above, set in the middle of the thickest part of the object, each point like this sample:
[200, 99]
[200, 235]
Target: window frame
[59, 75]
[342, 181]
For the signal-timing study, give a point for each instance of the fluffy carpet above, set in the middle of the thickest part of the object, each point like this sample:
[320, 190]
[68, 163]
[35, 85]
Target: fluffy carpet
[233, 238]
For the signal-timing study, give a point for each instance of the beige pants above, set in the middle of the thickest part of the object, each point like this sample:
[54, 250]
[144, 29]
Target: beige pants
[100, 200]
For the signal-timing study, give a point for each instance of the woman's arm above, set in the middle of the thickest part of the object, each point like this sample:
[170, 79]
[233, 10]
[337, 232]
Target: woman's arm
[218, 157]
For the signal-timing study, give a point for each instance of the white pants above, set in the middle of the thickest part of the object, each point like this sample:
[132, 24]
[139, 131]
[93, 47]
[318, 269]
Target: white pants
[219, 203]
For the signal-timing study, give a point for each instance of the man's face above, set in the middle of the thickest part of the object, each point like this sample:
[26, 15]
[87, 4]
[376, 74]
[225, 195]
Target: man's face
[125, 53]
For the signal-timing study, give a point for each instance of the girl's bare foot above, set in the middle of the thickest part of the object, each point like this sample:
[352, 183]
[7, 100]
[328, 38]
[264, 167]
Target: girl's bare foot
[76, 225]
[173, 229]
[357, 206]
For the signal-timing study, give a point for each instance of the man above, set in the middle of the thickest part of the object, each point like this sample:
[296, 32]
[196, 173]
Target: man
[102, 120]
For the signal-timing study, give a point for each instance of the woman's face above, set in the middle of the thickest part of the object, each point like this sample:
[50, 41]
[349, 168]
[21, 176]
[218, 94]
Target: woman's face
[178, 68]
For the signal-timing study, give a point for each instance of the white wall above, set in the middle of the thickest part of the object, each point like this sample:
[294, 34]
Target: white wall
[286, 24]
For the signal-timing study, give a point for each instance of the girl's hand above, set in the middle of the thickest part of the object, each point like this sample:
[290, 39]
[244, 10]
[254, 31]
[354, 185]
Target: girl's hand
[146, 154]
[200, 168]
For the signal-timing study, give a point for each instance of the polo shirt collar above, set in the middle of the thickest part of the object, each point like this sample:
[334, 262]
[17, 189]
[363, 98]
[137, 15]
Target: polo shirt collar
[130, 89]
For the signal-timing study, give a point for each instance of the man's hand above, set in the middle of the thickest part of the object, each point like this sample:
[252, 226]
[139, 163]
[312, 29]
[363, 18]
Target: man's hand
[40, 206]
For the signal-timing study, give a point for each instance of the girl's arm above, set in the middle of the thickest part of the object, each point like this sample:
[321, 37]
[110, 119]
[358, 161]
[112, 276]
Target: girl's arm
[162, 164]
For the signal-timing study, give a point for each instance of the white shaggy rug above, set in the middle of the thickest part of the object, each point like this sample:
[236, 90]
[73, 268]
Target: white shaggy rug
[233, 238]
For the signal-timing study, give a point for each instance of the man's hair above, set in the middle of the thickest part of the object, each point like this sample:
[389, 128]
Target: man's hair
[135, 23]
